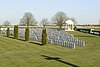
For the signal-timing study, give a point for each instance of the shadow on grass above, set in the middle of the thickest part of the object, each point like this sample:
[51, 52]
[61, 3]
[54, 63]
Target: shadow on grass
[36, 43]
[14, 38]
[21, 39]
[9, 36]
[59, 60]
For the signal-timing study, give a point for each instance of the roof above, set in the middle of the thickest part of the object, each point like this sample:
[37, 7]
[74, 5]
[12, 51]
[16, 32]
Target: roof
[69, 22]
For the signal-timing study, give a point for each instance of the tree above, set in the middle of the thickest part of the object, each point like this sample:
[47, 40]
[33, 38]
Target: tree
[0, 29]
[28, 19]
[15, 31]
[44, 36]
[27, 34]
[7, 23]
[59, 19]
[44, 22]
[73, 19]
[8, 32]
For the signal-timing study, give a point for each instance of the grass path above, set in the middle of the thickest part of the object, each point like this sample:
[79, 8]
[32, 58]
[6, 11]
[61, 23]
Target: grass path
[17, 53]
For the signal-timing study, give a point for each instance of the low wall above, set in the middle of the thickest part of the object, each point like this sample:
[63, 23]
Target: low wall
[90, 31]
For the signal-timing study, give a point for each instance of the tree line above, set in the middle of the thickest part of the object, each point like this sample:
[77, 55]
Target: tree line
[28, 19]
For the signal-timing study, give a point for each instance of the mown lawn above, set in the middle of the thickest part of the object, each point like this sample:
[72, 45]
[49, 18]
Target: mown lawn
[18, 53]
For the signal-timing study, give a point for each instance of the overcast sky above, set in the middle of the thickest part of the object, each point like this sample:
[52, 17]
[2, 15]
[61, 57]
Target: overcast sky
[84, 11]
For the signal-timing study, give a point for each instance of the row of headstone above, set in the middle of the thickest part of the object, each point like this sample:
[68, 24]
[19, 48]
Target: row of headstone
[62, 38]
[62, 43]
[54, 36]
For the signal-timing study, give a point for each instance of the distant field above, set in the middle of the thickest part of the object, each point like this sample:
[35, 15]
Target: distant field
[97, 29]
[18, 53]
[89, 27]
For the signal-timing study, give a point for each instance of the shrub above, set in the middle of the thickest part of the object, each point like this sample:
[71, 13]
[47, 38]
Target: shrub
[15, 31]
[75, 28]
[27, 34]
[8, 32]
[44, 36]
[0, 29]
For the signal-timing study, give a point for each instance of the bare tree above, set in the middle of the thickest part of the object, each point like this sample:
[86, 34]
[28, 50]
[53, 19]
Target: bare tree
[59, 19]
[44, 22]
[73, 19]
[28, 20]
[6, 23]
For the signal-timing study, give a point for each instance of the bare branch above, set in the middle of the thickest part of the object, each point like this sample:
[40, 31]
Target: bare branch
[59, 18]
[28, 19]
[7, 23]
[44, 22]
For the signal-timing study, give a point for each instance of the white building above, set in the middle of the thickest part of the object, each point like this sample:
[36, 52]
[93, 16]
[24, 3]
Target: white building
[69, 25]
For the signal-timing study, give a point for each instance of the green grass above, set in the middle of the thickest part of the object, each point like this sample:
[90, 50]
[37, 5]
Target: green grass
[17, 53]
[98, 29]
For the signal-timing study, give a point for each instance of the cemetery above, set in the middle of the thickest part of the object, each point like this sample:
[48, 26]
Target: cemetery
[24, 52]
[45, 46]
[54, 36]
[49, 33]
